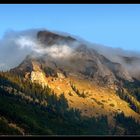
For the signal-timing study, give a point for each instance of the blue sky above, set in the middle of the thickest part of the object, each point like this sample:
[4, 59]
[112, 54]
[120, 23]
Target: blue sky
[115, 25]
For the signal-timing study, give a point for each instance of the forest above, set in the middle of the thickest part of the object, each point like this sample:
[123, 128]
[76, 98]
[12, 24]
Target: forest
[27, 108]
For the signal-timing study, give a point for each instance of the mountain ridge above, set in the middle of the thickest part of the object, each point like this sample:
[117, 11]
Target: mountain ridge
[76, 75]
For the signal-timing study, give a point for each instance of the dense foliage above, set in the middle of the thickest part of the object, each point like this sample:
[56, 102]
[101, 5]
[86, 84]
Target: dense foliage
[134, 88]
[131, 94]
[127, 124]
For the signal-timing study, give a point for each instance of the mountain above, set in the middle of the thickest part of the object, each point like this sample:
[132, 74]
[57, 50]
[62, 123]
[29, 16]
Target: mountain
[84, 62]
[85, 80]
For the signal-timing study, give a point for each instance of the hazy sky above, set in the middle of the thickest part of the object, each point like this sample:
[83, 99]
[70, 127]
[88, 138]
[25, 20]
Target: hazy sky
[115, 25]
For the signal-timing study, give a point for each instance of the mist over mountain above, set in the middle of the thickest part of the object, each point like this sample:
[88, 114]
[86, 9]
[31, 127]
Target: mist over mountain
[62, 75]
[21, 43]
[58, 46]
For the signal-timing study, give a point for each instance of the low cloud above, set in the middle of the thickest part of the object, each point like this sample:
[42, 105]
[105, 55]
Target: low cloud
[130, 60]
[15, 46]
[55, 51]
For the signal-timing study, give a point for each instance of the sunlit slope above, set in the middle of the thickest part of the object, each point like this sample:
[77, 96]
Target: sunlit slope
[91, 99]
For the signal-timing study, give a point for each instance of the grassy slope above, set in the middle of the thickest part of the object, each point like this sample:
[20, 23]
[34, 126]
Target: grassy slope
[99, 100]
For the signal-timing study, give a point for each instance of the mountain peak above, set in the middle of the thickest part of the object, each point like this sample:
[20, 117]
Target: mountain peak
[50, 38]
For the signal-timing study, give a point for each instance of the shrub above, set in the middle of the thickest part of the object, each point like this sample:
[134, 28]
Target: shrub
[112, 105]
